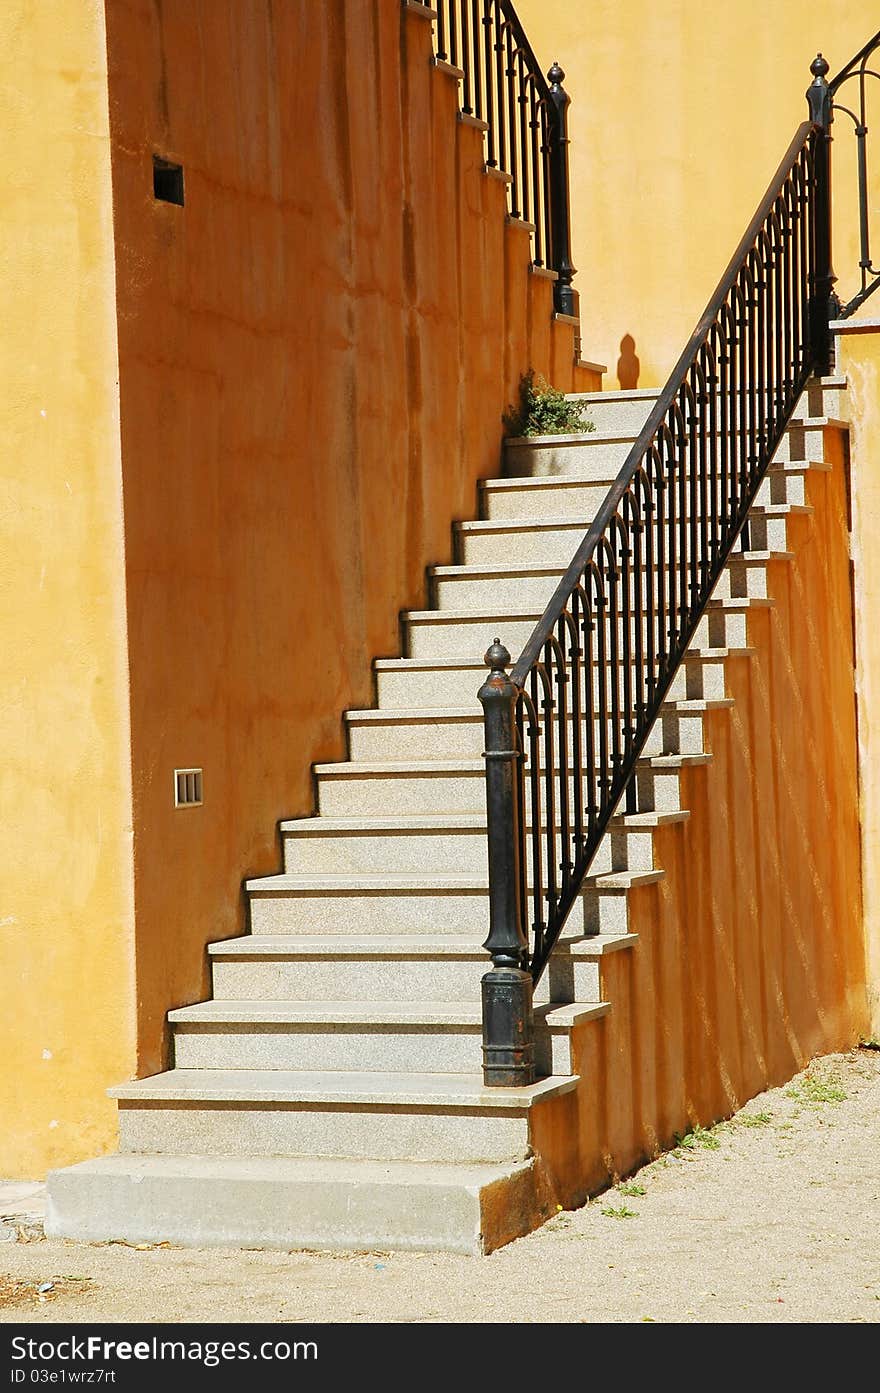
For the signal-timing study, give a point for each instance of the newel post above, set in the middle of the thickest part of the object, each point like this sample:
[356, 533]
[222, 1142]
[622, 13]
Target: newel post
[508, 1027]
[824, 303]
[565, 297]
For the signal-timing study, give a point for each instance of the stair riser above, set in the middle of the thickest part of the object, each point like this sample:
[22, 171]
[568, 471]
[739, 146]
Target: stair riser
[465, 739]
[426, 1049]
[378, 795]
[700, 680]
[768, 533]
[456, 912]
[801, 443]
[411, 688]
[511, 501]
[440, 851]
[547, 546]
[593, 457]
[445, 853]
[618, 415]
[781, 487]
[742, 580]
[630, 414]
[377, 1133]
[658, 791]
[461, 638]
[465, 638]
[821, 400]
[589, 457]
[387, 979]
[557, 546]
[579, 499]
[606, 913]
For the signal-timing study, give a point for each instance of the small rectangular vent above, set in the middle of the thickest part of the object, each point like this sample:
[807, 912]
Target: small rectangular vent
[167, 181]
[187, 788]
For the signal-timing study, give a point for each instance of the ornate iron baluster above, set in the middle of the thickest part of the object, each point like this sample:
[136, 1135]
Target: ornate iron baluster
[604, 653]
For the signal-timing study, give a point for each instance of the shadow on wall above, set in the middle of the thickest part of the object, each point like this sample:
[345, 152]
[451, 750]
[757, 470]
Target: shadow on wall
[628, 364]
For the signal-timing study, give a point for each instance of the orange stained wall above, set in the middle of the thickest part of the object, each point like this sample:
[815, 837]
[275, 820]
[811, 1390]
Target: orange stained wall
[750, 958]
[680, 113]
[314, 356]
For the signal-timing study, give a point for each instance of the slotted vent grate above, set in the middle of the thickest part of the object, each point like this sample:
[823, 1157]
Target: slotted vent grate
[187, 788]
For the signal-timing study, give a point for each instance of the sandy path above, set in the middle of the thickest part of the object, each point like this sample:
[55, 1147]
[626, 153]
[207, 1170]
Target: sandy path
[774, 1216]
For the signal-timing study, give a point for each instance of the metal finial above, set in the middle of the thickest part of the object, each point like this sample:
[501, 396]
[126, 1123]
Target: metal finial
[497, 657]
[556, 76]
[819, 66]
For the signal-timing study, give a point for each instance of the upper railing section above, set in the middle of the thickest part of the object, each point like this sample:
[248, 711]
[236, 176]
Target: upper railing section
[858, 71]
[525, 119]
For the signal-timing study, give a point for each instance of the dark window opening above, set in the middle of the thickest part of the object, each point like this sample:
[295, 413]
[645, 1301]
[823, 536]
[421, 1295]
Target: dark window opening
[167, 181]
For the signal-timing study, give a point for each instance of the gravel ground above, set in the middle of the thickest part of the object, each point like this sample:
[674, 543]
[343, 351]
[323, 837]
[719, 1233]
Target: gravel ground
[772, 1216]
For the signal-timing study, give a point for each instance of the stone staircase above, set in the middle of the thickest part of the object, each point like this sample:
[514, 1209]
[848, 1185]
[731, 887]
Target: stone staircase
[329, 1094]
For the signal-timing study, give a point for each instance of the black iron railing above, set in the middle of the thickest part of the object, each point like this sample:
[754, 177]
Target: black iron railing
[566, 726]
[525, 119]
[857, 71]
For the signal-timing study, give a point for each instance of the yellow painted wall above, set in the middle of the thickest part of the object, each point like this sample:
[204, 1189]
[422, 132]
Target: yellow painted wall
[750, 958]
[859, 358]
[66, 918]
[680, 113]
[315, 353]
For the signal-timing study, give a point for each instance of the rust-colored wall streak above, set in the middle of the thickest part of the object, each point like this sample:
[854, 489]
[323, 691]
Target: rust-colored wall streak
[314, 355]
[751, 953]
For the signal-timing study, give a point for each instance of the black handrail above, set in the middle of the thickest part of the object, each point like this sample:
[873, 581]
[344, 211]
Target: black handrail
[857, 68]
[565, 729]
[525, 119]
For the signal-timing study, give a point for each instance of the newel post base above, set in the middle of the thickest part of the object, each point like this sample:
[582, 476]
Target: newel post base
[508, 1021]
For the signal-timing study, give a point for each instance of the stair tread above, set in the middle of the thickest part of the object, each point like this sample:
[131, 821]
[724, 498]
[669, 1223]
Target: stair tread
[336, 1087]
[537, 482]
[394, 715]
[431, 822]
[623, 880]
[308, 1169]
[358, 768]
[428, 664]
[393, 945]
[344, 945]
[325, 1012]
[354, 880]
[473, 570]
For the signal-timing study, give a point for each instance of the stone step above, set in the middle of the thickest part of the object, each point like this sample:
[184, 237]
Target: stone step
[398, 905]
[376, 1116]
[467, 631]
[447, 733]
[554, 541]
[423, 787]
[454, 682]
[569, 496]
[339, 846]
[295, 1202]
[420, 1036]
[625, 410]
[598, 453]
[628, 410]
[335, 967]
[595, 453]
[519, 589]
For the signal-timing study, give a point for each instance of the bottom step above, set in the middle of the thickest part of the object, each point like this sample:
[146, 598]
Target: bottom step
[284, 1202]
